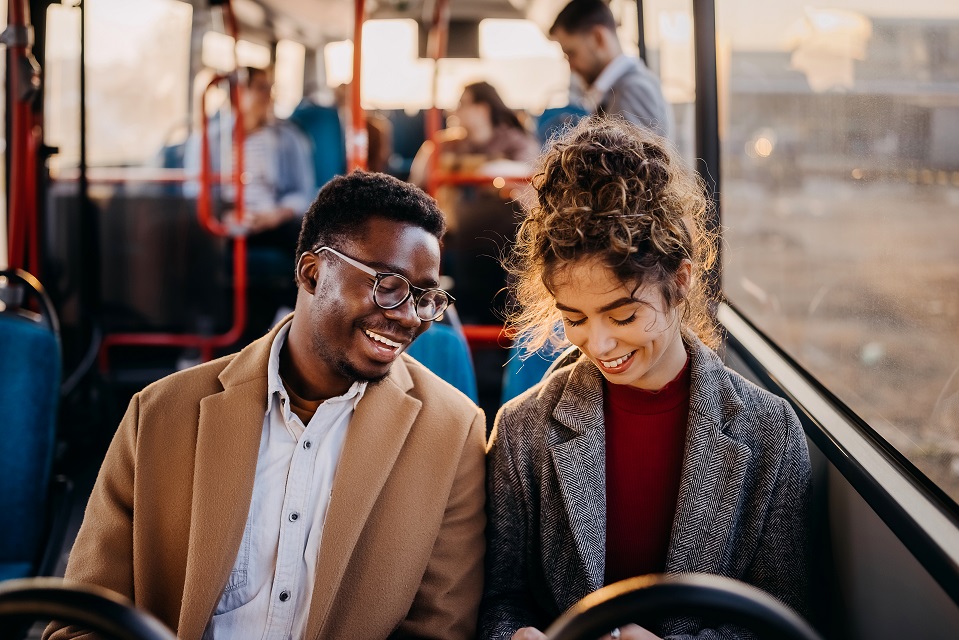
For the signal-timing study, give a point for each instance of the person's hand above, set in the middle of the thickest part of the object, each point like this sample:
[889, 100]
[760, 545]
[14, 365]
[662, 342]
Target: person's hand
[528, 633]
[632, 632]
[259, 221]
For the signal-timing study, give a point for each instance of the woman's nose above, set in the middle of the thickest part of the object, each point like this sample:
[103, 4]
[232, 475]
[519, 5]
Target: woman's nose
[601, 340]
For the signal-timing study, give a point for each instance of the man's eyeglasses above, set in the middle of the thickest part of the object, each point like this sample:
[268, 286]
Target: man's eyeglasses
[390, 290]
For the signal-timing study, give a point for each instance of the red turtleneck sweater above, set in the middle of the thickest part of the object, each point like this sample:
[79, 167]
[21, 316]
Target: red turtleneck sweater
[645, 437]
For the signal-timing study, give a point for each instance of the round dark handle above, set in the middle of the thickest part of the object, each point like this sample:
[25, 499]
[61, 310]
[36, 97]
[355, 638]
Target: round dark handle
[95, 608]
[648, 599]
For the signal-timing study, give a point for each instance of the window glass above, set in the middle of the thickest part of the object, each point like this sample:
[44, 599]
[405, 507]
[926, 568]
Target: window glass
[840, 202]
[290, 61]
[217, 52]
[670, 54]
[394, 77]
[137, 79]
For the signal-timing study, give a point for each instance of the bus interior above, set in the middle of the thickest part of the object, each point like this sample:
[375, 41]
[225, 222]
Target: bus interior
[826, 134]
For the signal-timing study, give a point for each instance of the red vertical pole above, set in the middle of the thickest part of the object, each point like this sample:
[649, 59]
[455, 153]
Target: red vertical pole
[439, 33]
[22, 242]
[357, 141]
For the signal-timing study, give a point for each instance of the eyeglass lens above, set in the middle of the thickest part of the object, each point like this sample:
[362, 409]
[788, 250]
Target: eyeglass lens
[392, 290]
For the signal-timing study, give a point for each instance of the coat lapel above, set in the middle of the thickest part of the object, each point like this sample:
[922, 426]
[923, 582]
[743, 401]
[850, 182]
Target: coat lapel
[714, 469]
[228, 443]
[376, 435]
[576, 442]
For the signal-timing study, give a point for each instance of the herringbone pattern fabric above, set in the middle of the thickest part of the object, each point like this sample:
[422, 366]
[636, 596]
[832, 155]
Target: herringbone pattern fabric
[741, 512]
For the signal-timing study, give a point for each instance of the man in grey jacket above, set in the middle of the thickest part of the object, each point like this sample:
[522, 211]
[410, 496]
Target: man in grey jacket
[616, 84]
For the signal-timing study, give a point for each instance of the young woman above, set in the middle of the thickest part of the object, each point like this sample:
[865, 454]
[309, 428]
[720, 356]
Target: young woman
[488, 130]
[646, 455]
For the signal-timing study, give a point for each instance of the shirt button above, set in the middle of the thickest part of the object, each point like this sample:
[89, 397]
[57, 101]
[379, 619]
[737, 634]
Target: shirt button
[307, 444]
[284, 596]
[294, 516]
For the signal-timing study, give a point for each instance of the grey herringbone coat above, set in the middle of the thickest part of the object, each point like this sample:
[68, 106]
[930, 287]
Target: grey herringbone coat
[741, 511]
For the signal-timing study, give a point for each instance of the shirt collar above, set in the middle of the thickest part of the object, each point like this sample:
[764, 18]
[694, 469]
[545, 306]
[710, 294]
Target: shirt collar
[275, 382]
[615, 70]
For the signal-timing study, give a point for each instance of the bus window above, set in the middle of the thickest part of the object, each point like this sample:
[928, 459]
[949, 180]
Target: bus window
[290, 61]
[840, 176]
[669, 54]
[137, 63]
[394, 77]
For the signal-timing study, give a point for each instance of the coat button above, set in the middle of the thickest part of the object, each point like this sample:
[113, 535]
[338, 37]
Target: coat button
[307, 444]
[294, 516]
[284, 596]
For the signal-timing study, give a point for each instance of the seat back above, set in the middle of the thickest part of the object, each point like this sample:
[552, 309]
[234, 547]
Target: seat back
[444, 351]
[524, 370]
[322, 126]
[554, 120]
[29, 394]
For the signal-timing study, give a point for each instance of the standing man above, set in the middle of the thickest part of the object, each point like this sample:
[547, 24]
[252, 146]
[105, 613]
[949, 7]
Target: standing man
[615, 83]
[320, 483]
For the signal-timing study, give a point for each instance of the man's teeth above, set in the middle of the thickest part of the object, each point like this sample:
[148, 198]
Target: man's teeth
[386, 341]
[612, 364]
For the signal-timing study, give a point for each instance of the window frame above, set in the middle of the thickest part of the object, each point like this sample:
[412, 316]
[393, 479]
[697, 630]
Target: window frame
[924, 518]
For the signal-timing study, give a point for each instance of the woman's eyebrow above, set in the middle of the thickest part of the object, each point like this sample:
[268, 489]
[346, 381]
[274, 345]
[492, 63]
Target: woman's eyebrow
[615, 304]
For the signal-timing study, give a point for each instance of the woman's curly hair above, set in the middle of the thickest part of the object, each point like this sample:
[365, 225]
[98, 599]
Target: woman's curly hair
[610, 190]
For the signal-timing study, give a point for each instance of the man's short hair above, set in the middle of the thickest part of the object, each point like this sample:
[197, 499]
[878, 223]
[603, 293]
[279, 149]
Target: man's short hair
[582, 15]
[345, 203]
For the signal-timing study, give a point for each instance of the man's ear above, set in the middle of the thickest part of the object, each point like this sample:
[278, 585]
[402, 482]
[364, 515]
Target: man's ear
[307, 271]
[601, 36]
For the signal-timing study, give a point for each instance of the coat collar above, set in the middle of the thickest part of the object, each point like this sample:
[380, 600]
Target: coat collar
[228, 444]
[227, 447]
[712, 476]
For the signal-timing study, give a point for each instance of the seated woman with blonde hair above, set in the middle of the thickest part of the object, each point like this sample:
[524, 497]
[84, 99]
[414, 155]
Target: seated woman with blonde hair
[646, 455]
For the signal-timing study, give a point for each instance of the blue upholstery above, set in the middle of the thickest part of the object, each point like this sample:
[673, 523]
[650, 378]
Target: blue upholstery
[29, 390]
[554, 120]
[444, 351]
[521, 374]
[322, 126]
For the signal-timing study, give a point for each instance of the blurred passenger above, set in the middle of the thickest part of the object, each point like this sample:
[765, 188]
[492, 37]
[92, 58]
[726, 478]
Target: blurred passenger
[646, 455]
[487, 130]
[487, 139]
[615, 83]
[279, 184]
[279, 180]
[320, 483]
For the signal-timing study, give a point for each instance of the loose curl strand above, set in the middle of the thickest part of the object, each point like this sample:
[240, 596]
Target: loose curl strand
[613, 191]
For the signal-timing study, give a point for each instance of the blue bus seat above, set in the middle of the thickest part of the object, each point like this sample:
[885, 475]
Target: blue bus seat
[322, 126]
[443, 350]
[555, 119]
[524, 371]
[29, 394]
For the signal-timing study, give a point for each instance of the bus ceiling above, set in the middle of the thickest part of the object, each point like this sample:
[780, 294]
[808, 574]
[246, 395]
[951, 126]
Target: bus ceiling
[314, 22]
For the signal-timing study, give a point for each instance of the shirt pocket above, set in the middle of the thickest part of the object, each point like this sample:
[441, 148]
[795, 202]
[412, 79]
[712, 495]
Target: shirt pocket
[235, 594]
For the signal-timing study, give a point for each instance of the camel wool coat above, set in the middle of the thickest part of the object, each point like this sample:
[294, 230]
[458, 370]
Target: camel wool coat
[402, 547]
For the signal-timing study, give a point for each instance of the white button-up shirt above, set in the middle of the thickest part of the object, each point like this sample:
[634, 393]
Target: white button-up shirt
[594, 94]
[269, 591]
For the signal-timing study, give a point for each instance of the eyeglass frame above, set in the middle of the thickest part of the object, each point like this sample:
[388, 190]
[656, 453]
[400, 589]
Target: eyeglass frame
[413, 291]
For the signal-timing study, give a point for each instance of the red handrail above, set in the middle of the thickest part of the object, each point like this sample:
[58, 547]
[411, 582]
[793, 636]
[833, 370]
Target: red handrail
[204, 207]
[487, 336]
[358, 138]
[207, 343]
[23, 240]
[436, 45]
